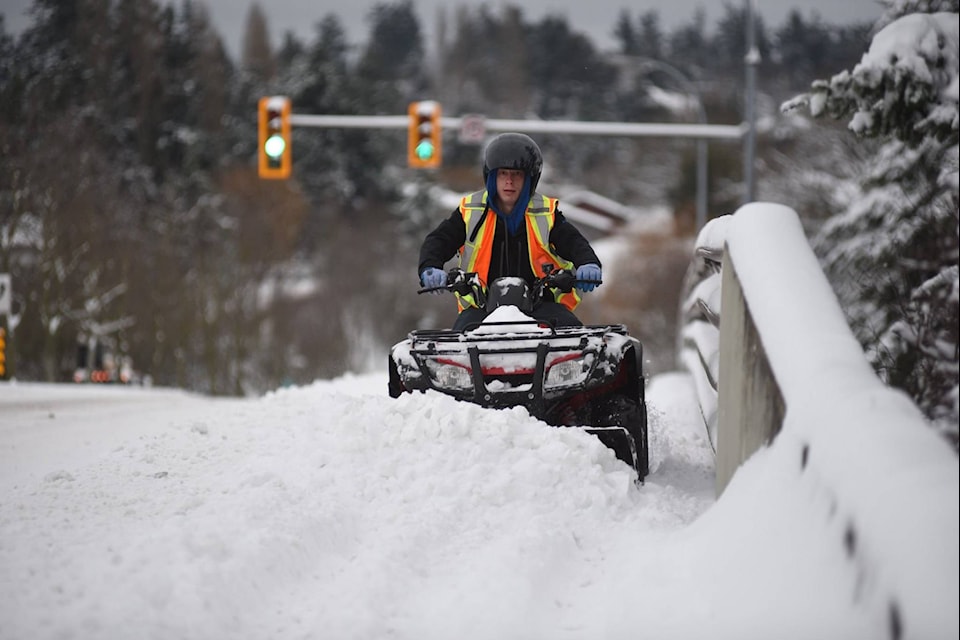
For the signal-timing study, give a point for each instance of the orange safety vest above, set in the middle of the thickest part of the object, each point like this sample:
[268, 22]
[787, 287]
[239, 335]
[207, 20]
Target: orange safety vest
[477, 250]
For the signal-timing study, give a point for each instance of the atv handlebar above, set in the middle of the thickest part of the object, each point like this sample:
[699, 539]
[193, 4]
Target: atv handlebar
[464, 283]
[563, 280]
[458, 281]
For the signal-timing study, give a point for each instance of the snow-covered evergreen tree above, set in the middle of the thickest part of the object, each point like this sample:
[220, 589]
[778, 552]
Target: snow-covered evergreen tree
[893, 255]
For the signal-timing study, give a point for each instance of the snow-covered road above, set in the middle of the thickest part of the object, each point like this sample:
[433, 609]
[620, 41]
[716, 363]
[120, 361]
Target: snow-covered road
[333, 511]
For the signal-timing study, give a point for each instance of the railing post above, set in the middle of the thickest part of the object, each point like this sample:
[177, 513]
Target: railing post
[750, 405]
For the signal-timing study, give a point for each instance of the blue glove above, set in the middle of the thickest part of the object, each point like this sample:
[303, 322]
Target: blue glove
[588, 272]
[433, 277]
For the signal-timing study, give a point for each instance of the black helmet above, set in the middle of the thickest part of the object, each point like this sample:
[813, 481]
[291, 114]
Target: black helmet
[514, 151]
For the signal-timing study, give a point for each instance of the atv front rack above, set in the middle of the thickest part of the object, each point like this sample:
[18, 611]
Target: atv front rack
[494, 386]
[535, 329]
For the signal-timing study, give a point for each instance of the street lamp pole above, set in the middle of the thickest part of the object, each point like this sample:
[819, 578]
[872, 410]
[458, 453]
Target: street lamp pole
[691, 89]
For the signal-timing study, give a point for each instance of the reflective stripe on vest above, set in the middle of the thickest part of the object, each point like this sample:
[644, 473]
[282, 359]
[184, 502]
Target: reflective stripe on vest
[478, 244]
[477, 250]
[540, 219]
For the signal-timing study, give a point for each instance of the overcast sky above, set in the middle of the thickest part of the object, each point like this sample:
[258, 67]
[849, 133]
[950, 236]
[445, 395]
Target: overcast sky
[596, 18]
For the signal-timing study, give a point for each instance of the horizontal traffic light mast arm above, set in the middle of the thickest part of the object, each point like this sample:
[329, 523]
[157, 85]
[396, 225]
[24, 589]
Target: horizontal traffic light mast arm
[650, 129]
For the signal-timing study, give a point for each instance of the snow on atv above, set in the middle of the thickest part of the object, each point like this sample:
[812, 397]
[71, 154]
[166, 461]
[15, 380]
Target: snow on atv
[589, 377]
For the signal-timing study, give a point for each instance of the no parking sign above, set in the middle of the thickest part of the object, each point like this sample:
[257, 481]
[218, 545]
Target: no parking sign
[473, 129]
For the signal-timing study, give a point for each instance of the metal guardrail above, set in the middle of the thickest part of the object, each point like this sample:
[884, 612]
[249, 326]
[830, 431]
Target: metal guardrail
[791, 379]
[699, 341]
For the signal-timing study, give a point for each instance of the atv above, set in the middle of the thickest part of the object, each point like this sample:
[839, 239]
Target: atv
[587, 376]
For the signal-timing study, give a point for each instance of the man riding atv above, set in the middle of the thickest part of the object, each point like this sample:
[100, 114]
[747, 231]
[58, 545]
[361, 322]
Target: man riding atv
[523, 263]
[525, 236]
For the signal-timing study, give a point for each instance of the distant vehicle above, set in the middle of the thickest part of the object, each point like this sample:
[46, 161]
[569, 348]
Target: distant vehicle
[98, 364]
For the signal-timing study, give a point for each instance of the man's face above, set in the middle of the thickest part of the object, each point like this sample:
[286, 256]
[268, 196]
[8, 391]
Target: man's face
[509, 186]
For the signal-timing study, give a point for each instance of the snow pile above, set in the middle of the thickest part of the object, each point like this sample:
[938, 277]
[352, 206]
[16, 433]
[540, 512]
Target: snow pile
[328, 512]
[500, 319]
[308, 509]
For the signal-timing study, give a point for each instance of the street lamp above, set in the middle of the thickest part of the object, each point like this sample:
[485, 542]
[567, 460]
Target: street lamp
[647, 64]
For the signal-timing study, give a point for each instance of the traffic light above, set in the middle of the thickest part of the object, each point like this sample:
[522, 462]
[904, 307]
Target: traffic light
[3, 352]
[275, 160]
[423, 135]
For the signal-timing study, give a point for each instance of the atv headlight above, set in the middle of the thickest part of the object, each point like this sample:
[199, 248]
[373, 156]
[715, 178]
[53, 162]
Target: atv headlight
[447, 375]
[566, 372]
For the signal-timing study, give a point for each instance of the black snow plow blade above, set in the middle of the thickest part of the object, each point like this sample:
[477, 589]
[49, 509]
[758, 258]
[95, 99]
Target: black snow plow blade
[619, 440]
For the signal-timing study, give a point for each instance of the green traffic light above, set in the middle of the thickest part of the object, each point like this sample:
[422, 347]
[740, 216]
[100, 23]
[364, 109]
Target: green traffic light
[424, 150]
[274, 146]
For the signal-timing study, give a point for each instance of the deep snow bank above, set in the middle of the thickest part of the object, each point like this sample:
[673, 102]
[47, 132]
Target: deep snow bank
[327, 507]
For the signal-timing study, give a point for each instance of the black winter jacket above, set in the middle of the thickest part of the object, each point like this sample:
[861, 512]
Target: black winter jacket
[509, 256]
